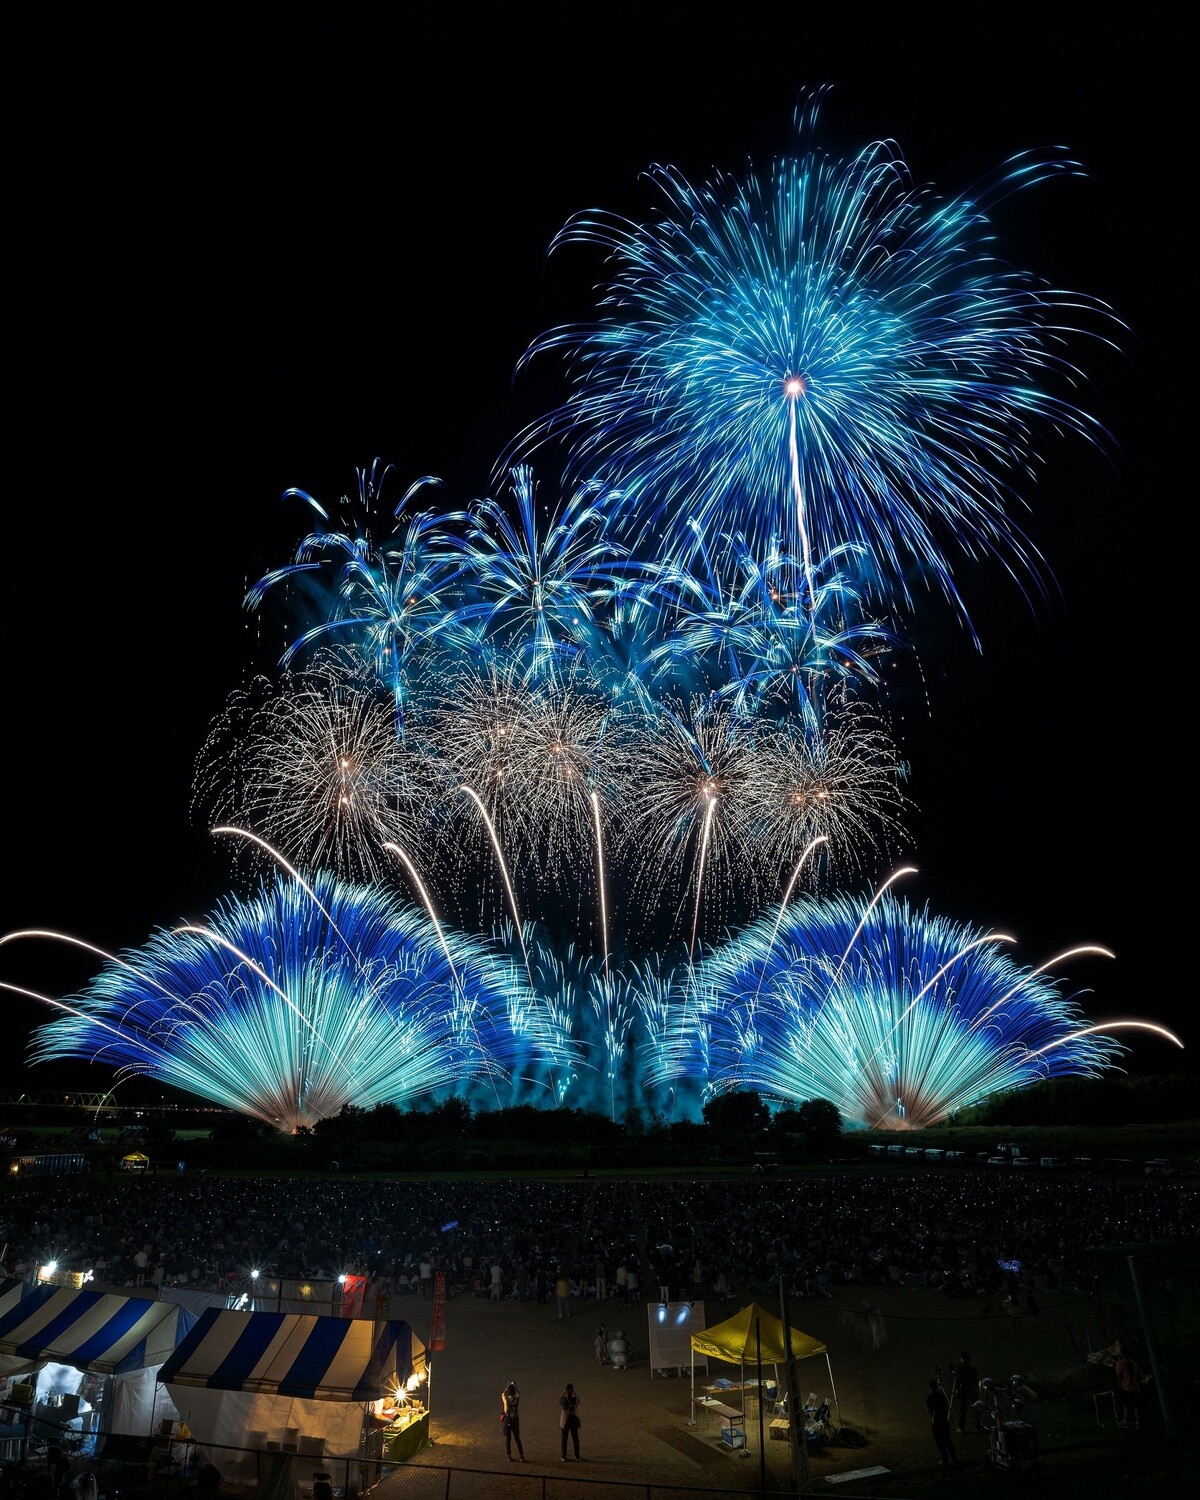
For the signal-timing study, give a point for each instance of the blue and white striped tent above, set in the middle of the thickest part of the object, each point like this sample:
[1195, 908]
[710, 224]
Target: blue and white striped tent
[301, 1355]
[99, 1332]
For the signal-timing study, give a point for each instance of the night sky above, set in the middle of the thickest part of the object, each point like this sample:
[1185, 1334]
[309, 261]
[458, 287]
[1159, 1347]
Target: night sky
[248, 261]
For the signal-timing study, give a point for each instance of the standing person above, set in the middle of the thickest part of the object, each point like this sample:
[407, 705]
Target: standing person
[601, 1279]
[140, 1263]
[568, 1418]
[562, 1294]
[497, 1286]
[1129, 1389]
[968, 1393]
[510, 1416]
[938, 1408]
[601, 1345]
[425, 1276]
[622, 1281]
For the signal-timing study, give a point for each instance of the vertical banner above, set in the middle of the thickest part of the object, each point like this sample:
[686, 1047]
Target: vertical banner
[437, 1338]
[352, 1296]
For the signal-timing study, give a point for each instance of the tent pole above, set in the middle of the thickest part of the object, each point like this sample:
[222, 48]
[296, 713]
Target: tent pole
[797, 1437]
[762, 1447]
[837, 1404]
[692, 1408]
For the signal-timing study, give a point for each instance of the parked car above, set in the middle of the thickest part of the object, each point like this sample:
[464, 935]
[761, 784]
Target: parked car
[1020, 1161]
[877, 1150]
[1159, 1166]
[1082, 1163]
[912, 1152]
[956, 1156]
[934, 1153]
[1052, 1162]
[895, 1150]
[998, 1161]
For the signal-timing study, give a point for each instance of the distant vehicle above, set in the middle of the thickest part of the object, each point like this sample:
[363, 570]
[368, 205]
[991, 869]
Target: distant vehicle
[1020, 1161]
[956, 1156]
[877, 1150]
[1159, 1166]
[998, 1161]
[1008, 1148]
[912, 1151]
[934, 1153]
[1082, 1163]
[983, 1156]
[765, 1161]
[1116, 1164]
[1051, 1162]
[895, 1150]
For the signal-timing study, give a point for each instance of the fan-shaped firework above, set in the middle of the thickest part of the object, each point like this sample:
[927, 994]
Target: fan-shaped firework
[898, 1017]
[823, 353]
[297, 1002]
[315, 763]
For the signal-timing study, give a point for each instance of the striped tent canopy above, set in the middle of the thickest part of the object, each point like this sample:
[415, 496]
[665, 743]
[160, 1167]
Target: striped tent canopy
[305, 1355]
[100, 1332]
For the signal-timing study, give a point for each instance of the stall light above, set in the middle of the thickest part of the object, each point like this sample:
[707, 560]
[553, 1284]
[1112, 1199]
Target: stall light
[253, 1275]
[683, 1314]
[342, 1279]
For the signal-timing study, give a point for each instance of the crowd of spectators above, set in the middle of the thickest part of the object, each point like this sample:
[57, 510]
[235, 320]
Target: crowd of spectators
[958, 1233]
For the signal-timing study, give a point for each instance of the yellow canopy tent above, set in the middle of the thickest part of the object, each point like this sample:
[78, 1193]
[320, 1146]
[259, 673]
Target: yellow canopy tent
[755, 1336]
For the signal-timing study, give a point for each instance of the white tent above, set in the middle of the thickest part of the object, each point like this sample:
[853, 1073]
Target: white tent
[274, 1374]
[100, 1333]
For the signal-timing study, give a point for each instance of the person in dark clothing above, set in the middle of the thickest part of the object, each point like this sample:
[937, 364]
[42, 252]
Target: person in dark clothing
[510, 1416]
[938, 1408]
[568, 1418]
[968, 1393]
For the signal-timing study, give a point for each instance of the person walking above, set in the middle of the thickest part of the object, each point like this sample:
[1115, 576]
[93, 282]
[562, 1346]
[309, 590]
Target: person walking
[568, 1419]
[510, 1416]
[938, 1408]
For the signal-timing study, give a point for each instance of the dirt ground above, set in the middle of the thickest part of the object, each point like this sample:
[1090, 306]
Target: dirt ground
[636, 1424]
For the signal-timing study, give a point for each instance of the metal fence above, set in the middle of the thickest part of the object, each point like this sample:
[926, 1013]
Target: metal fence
[128, 1468]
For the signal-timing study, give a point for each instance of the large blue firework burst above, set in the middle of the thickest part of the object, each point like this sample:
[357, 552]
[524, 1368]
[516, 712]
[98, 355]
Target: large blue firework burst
[821, 354]
[899, 1017]
[302, 999]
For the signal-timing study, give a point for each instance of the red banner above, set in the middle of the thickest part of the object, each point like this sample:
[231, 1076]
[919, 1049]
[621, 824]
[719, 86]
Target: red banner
[352, 1295]
[437, 1339]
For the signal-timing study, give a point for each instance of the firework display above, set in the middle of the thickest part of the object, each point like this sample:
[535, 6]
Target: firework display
[556, 799]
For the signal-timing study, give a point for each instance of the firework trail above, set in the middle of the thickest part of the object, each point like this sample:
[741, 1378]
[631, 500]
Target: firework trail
[827, 354]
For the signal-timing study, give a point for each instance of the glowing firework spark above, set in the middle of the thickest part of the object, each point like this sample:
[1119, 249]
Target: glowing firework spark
[827, 354]
[317, 764]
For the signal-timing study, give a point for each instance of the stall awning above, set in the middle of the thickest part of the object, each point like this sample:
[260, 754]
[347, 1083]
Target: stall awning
[100, 1332]
[305, 1355]
[736, 1342]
